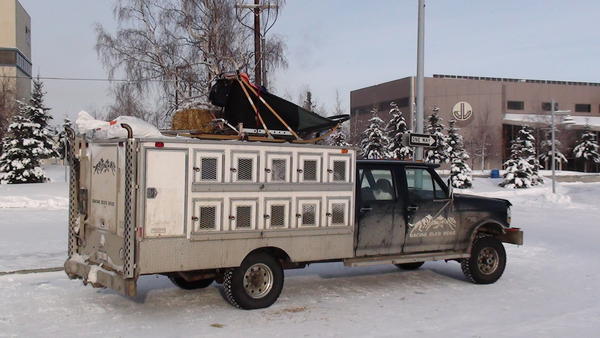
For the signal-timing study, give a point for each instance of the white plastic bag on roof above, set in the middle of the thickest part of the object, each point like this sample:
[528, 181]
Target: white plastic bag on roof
[102, 129]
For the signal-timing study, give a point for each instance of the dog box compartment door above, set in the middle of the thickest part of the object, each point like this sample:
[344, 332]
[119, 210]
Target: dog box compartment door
[165, 192]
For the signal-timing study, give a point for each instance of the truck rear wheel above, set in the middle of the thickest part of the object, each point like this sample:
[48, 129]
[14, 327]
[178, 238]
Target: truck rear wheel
[410, 266]
[487, 261]
[186, 285]
[256, 284]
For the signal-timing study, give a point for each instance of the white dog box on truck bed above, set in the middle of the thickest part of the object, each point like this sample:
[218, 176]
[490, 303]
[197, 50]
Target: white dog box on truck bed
[198, 205]
[209, 203]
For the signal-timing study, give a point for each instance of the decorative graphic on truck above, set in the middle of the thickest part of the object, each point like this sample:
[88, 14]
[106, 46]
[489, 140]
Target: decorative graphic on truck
[433, 227]
[104, 166]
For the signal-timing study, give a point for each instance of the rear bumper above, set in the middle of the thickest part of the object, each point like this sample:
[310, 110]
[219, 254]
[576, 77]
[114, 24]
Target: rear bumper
[512, 236]
[100, 277]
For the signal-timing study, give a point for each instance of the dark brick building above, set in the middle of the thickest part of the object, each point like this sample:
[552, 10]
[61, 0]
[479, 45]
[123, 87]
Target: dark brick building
[488, 110]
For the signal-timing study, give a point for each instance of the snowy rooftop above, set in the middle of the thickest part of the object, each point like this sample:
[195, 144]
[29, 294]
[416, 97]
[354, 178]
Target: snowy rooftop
[538, 119]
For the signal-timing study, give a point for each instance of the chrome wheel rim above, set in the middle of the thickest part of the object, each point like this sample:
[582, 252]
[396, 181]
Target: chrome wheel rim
[258, 280]
[488, 260]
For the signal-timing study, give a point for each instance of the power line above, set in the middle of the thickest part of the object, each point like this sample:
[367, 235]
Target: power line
[82, 79]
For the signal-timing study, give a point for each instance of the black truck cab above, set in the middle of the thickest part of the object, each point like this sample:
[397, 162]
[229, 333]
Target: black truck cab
[405, 208]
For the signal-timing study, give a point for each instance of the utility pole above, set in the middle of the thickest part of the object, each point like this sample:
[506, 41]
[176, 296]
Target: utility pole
[257, 49]
[264, 62]
[420, 75]
[260, 72]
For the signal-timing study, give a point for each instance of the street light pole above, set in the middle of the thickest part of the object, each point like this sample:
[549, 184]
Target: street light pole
[566, 120]
[420, 75]
[553, 149]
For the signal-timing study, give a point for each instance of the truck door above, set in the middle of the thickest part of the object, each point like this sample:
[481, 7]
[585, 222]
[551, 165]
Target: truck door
[381, 222]
[431, 225]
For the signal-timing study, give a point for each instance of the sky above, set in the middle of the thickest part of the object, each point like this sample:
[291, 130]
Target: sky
[338, 45]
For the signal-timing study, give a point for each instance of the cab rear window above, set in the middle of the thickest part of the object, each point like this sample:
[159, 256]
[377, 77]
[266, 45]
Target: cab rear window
[376, 185]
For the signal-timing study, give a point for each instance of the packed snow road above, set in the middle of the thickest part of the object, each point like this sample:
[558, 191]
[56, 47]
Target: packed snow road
[549, 288]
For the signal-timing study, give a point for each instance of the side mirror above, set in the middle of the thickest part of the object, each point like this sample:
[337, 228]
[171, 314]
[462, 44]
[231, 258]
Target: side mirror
[450, 188]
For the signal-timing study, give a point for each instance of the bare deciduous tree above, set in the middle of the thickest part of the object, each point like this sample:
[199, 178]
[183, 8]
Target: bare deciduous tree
[480, 143]
[127, 102]
[8, 104]
[175, 48]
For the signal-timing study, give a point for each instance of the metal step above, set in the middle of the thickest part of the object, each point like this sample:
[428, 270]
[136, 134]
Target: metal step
[404, 258]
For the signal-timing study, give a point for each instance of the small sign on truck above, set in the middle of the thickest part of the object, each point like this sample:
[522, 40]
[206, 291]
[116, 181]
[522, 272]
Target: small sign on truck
[239, 213]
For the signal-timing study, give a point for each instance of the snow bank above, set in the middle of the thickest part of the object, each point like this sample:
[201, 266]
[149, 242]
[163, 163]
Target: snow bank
[102, 129]
[54, 203]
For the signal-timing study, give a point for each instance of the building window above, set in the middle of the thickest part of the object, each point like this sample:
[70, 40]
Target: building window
[400, 102]
[546, 106]
[515, 105]
[583, 108]
[8, 57]
[361, 110]
[403, 102]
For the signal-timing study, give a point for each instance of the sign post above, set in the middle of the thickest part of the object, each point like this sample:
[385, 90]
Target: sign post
[421, 140]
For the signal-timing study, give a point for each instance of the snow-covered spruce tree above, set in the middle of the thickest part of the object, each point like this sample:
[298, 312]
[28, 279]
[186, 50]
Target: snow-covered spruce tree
[19, 162]
[460, 172]
[521, 171]
[62, 137]
[39, 114]
[339, 138]
[545, 156]
[395, 129]
[587, 148]
[374, 142]
[529, 152]
[438, 154]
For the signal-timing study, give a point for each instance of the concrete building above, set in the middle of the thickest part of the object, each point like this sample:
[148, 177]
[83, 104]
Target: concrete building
[15, 48]
[489, 111]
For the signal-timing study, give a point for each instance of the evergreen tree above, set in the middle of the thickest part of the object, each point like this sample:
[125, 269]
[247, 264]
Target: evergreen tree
[39, 114]
[546, 150]
[374, 142]
[438, 154]
[62, 137]
[339, 138]
[522, 166]
[529, 153]
[395, 129]
[460, 172]
[308, 103]
[19, 162]
[587, 148]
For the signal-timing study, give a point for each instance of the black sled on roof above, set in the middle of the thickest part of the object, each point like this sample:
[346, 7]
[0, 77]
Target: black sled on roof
[258, 115]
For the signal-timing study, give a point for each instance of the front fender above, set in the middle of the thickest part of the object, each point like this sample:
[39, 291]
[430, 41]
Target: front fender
[498, 230]
[487, 226]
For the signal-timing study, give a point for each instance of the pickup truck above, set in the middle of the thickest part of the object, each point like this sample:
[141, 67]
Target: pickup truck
[239, 213]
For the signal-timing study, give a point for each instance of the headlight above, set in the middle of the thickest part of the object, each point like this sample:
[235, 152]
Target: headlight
[508, 215]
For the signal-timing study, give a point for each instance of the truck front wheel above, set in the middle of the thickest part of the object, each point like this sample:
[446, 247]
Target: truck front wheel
[487, 261]
[256, 284]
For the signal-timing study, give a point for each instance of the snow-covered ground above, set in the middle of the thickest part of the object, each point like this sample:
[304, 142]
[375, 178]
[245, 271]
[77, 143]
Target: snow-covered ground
[550, 287]
[33, 223]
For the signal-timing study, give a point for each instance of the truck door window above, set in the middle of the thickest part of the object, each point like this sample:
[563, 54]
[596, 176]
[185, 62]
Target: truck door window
[376, 185]
[440, 194]
[420, 184]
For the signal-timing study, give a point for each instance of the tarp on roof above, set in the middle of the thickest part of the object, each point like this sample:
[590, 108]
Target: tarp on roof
[228, 93]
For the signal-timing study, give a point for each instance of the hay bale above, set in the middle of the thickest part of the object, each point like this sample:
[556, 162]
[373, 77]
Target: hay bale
[193, 119]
